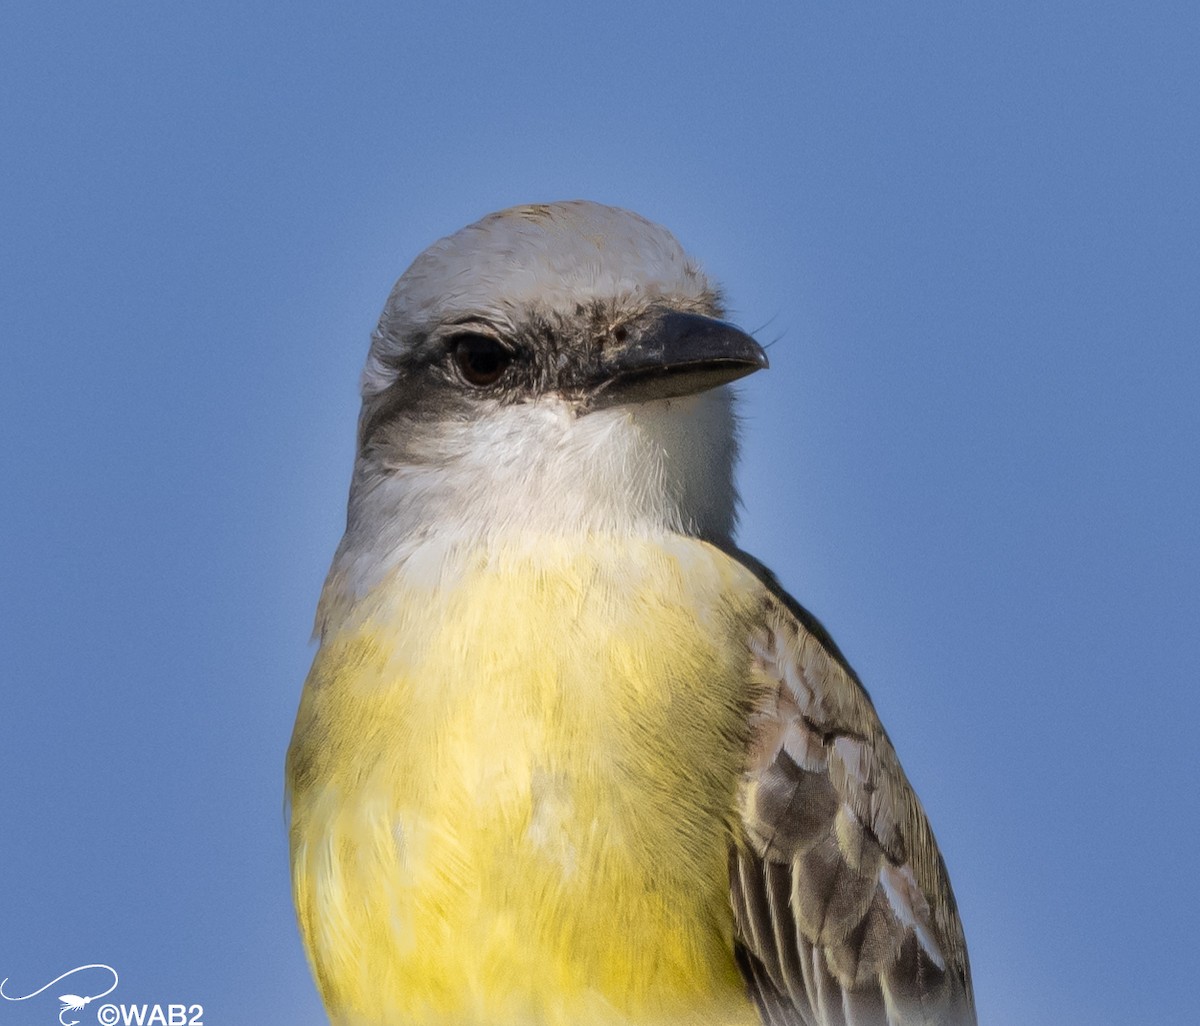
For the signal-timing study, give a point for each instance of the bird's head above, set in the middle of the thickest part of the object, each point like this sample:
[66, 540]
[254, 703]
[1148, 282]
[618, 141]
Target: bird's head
[550, 367]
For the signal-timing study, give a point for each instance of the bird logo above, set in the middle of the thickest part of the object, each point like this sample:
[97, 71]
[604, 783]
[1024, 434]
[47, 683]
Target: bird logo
[70, 1002]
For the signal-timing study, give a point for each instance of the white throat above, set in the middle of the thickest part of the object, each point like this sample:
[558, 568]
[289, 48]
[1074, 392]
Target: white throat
[534, 470]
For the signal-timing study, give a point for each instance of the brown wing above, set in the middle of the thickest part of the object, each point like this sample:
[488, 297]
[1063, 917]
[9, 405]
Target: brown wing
[843, 908]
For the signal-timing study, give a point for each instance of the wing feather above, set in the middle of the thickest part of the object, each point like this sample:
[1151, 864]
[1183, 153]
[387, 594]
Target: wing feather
[842, 905]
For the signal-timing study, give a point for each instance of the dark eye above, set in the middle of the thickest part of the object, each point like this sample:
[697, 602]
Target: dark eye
[480, 360]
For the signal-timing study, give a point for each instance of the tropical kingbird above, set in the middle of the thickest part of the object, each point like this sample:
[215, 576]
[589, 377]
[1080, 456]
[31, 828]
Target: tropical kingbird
[566, 756]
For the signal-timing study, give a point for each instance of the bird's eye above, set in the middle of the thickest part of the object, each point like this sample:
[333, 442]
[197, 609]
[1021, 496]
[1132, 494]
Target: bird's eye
[481, 360]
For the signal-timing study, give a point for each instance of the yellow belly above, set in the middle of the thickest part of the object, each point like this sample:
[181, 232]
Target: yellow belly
[512, 793]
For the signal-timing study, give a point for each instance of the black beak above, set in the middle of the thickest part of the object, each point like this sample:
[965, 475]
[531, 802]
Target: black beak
[673, 354]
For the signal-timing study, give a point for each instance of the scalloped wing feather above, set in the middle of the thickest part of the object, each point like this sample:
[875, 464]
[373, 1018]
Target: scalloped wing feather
[843, 907]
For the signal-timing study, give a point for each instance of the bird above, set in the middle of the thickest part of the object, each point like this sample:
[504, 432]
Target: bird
[566, 755]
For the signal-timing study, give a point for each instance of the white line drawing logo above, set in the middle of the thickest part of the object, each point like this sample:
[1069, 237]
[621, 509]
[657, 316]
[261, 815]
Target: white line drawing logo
[70, 1002]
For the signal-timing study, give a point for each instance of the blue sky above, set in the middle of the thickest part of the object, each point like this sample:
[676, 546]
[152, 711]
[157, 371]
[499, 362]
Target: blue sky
[974, 233]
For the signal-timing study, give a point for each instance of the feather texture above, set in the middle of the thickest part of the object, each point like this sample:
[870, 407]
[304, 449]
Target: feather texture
[841, 899]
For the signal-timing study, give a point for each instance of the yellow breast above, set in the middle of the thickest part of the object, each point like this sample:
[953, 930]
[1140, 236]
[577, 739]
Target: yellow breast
[512, 791]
